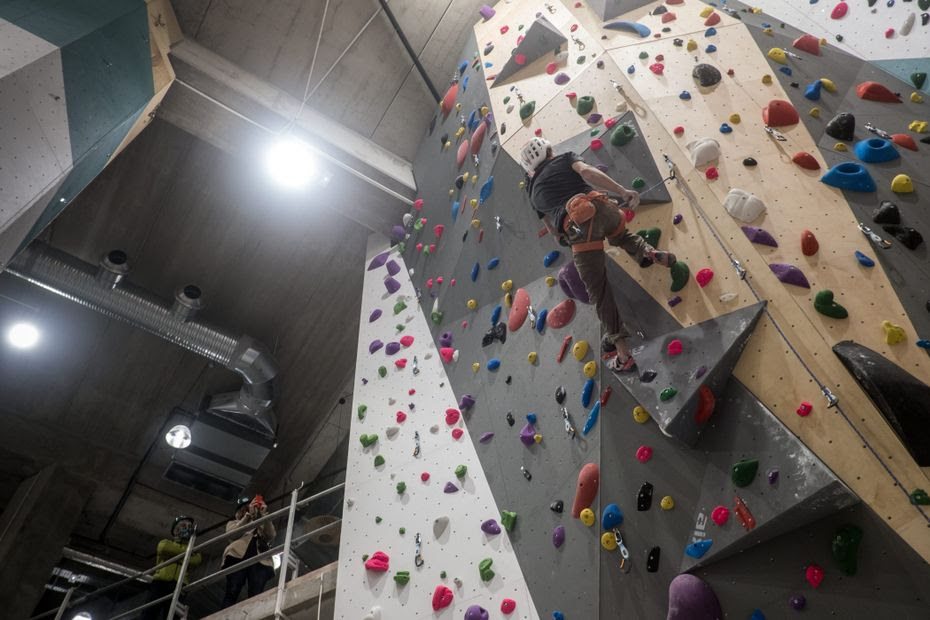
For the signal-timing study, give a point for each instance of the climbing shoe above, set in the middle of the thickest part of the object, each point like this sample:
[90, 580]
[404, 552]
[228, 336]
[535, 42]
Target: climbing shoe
[618, 364]
[498, 332]
[607, 345]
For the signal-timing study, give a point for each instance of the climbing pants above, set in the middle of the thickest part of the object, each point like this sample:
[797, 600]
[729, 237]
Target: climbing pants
[592, 267]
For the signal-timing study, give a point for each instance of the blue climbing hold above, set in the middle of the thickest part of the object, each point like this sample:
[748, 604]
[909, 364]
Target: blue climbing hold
[850, 176]
[631, 69]
[474, 271]
[551, 257]
[725, 128]
[864, 260]
[455, 210]
[625, 26]
[765, 25]
[462, 67]
[486, 190]
[812, 91]
[785, 70]
[494, 262]
[923, 343]
[699, 548]
[558, 615]
[592, 418]
[586, 393]
[710, 49]
[710, 32]
[876, 150]
[496, 314]
[756, 613]
[531, 418]
[684, 95]
[541, 320]
[473, 120]
[611, 517]
[465, 84]
[494, 364]
[488, 65]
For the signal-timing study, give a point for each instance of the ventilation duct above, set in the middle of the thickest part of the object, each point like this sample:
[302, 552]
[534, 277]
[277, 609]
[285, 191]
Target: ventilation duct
[105, 289]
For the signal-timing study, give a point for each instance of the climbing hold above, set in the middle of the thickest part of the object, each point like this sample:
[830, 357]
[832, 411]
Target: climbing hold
[644, 497]
[849, 176]
[904, 141]
[814, 112]
[486, 437]
[648, 376]
[527, 433]
[558, 536]
[839, 11]
[807, 43]
[562, 314]
[720, 515]
[704, 276]
[798, 602]
[402, 577]
[587, 392]
[442, 597]
[902, 184]
[508, 605]
[706, 403]
[472, 304]
[759, 235]
[750, 162]
[678, 130]
[450, 488]
[611, 517]
[873, 91]
[592, 418]
[697, 550]
[609, 541]
[551, 257]
[400, 487]
[842, 126]
[476, 612]
[804, 409]
[845, 548]
[916, 97]
[674, 348]
[622, 135]
[778, 55]
[684, 95]
[779, 113]
[657, 67]
[584, 105]
[587, 517]
[814, 575]
[824, 304]
[908, 237]
[586, 488]
[680, 276]
[640, 415]
[367, 440]
[580, 349]
[703, 151]
[919, 497]
[667, 394]
[379, 461]
[692, 45]
[894, 334]
[864, 260]
[812, 91]
[876, 150]
[562, 78]
[766, 79]
[918, 126]
[375, 345]
[643, 454]
[809, 244]
[711, 173]
[626, 26]
[449, 355]
[744, 472]
[706, 75]
[725, 128]
[378, 562]
[886, 213]
[526, 111]
[667, 503]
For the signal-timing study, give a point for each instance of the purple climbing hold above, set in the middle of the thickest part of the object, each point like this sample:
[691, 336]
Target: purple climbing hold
[476, 612]
[450, 488]
[392, 267]
[773, 475]
[691, 598]
[398, 232]
[571, 283]
[558, 536]
[674, 301]
[562, 78]
[486, 11]
[760, 236]
[391, 285]
[391, 348]
[797, 602]
[375, 315]
[677, 219]
[700, 372]
[486, 437]
[527, 433]
[380, 259]
[375, 345]
[466, 402]
[789, 274]
[445, 340]
[490, 527]
[594, 119]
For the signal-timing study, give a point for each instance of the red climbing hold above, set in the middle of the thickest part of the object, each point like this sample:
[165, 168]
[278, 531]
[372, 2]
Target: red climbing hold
[706, 402]
[596, 144]
[518, 309]
[442, 596]
[675, 347]
[561, 314]
[452, 416]
[457, 433]
[744, 514]
[873, 91]
[673, 2]
[731, 72]
[438, 229]
[477, 138]
[588, 479]
[462, 153]
[904, 141]
[814, 575]
[660, 57]
[804, 409]
[571, 95]
[720, 515]
[401, 363]
[400, 416]
[657, 67]
[889, 33]
[378, 562]
[508, 604]
[418, 204]
[808, 43]
[574, 27]
[408, 340]
[809, 245]
[678, 130]
[779, 113]
[538, 131]
[668, 17]
[711, 173]
[448, 101]
[520, 59]
[610, 122]
[504, 29]
[448, 355]
[424, 477]
[806, 161]
[839, 11]
[643, 454]
[552, 68]
[713, 19]
[704, 276]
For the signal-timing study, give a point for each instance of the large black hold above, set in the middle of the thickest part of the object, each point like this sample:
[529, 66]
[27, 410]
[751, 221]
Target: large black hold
[706, 75]
[909, 237]
[902, 399]
[842, 126]
[886, 213]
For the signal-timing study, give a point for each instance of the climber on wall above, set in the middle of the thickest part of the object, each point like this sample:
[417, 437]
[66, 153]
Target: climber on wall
[561, 192]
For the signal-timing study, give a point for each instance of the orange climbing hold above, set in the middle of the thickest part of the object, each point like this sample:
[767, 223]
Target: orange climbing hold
[809, 245]
[873, 91]
[806, 161]
[779, 113]
[448, 101]
[518, 310]
[713, 19]
[904, 141]
[588, 479]
[808, 43]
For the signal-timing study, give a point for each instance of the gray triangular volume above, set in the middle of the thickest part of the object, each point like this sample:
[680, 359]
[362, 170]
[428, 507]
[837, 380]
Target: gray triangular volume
[802, 491]
[622, 163]
[608, 9]
[541, 38]
[710, 349]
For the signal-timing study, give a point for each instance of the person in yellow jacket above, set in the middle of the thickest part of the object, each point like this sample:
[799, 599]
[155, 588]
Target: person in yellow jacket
[249, 544]
[166, 577]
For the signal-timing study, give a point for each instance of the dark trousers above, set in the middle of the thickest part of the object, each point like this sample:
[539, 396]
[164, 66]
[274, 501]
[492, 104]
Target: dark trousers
[158, 589]
[256, 576]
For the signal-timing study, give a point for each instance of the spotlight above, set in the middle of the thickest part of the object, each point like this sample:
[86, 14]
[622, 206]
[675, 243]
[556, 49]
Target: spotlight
[291, 163]
[178, 437]
[82, 615]
[22, 335]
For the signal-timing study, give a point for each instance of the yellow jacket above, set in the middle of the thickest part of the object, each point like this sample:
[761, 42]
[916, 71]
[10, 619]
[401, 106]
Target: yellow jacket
[239, 546]
[167, 549]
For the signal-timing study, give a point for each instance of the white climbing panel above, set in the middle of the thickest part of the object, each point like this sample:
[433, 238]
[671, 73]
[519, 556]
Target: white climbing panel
[371, 491]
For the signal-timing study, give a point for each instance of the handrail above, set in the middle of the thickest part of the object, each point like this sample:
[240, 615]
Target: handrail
[250, 526]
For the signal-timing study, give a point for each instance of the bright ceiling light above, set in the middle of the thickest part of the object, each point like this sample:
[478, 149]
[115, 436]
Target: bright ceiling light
[22, 335]
[82, 615]
[178, 437]
[291, 163]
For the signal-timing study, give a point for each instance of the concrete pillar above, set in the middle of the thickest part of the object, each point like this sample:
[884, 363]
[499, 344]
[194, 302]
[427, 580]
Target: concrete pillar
[34, 528]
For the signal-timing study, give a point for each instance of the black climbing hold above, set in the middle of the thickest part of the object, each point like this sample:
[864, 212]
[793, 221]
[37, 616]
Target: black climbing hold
[652, 560]
[510, 419]
[647, 376]
[488, 337]
[924, 19]
[560, 394]
[839, 38]
[464, 236]
[902, 399]
[925, 140]
[666, 29]
[749, 162]
[678, 42]
[842, 126]
[886, 213]
[459, 181]
[872, 3]
[706, 75]
[795, 85]
[659, 10]
[556, 506]
[908, 237]
[644, 498]
[500, 332]
[508, 379]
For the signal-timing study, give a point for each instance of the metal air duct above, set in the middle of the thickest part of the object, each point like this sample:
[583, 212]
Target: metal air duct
[106, 290]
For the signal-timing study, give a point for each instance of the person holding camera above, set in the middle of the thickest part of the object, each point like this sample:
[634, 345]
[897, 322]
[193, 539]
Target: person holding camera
[249, 544]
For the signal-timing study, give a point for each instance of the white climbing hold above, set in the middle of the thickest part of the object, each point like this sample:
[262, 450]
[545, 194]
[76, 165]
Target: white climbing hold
[374, 614]
[727, 297]
[350, 502]
[440, 525]
[391, 401]
[703, 151]
[908, 24]
[434, 428]
[742, 205]
[458, 582]
[392, 431]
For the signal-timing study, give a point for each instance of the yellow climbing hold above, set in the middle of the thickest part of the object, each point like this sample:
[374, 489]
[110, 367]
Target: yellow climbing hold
[476, 223]
[508, 300]
[902, 184]
[537, 438]
[839, 146]
[459, 132]
[766, 79]
[506, 285]
[706, 11]
[640, 415]
[692, 45]
[778, 55]
[768, 31]
[472, 304]
[474, 203]
[609, 541]
[590, 369]
[532, 357]
[587, 517]
[893, 333]
[916, 97]
[474, 180]
[475, 367]
[466, 176]
[756, 10]
[828, 85]
[735, 119]
[667, 503]
[451, 191]
[484, 110]
[521, 184]
[918, 126]
[823, 42]
[458, 107]
[446, 144]
[580, 349]
[815, 112]
[550, 281]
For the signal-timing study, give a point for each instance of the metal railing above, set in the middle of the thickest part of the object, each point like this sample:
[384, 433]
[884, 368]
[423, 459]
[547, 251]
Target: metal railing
[286, 549]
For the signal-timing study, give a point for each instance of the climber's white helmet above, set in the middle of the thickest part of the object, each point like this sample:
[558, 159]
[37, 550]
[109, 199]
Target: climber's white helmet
[534, 153]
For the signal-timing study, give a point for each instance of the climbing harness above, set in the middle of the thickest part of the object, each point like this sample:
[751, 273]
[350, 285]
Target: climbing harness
[568, 423]
[418, 558]
[874, 237]
[625, 562]
[416, 439]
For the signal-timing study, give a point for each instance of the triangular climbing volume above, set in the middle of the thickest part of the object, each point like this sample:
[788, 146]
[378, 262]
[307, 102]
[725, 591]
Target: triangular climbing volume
[542, 39]
[609, 9]
[681, 374]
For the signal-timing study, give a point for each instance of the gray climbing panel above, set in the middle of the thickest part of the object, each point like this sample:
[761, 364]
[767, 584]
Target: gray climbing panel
[713, 346]
[609, 9]
[542, 40]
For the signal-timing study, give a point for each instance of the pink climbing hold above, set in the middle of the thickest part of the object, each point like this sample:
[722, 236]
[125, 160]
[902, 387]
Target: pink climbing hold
[504, 29]
[520, 59]
[418, 204]
[610, 122]
[668, 17]
[419, 247]
[643, 454]
[401, 363]
[675, 347]
[574, 27]
[429, 283]
[596, 144]
[411, 392]
[889, 33]
[814, 575]
[720, 515]
[432, 248]
[552, 68]
[442, 596]
[438, 229]
[704, 276]
[378, 562]
[804, 409]
[520, 39]
[439, 280]
[406, 341]
[424, 476]
[448, 354]
[711, 173]
[457, 433]
[839, 11]
[508, 605]
[452, 416]
[657, 67]
[571, 94]
[400, 416]
[477, 138]
[462, 153]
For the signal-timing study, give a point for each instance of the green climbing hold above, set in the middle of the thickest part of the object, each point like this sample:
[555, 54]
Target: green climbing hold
[402, 577]
[667, 394]
[918, 79]
[680, 276]
[399, 307]
[581, 60]
[506, 99]
[364, 557]
[484, 569]
[399, 327]
[401, 487]
[436, 316]
[382, 372]
[527, 109]
[401, 246]
[367, 440]
[643, 55]
[442, 574]
[824, 304]
[377, 519]
[846, 547]
[508, 519]
[418, 225]
[622, 134]
[744, 472]
[651, 235]
[639, 183]
[460, 471]
[595, 131]
[585, 105]
[923, 4]
[402, 531]
[361, 411]
[379, 461]
[919, 497]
